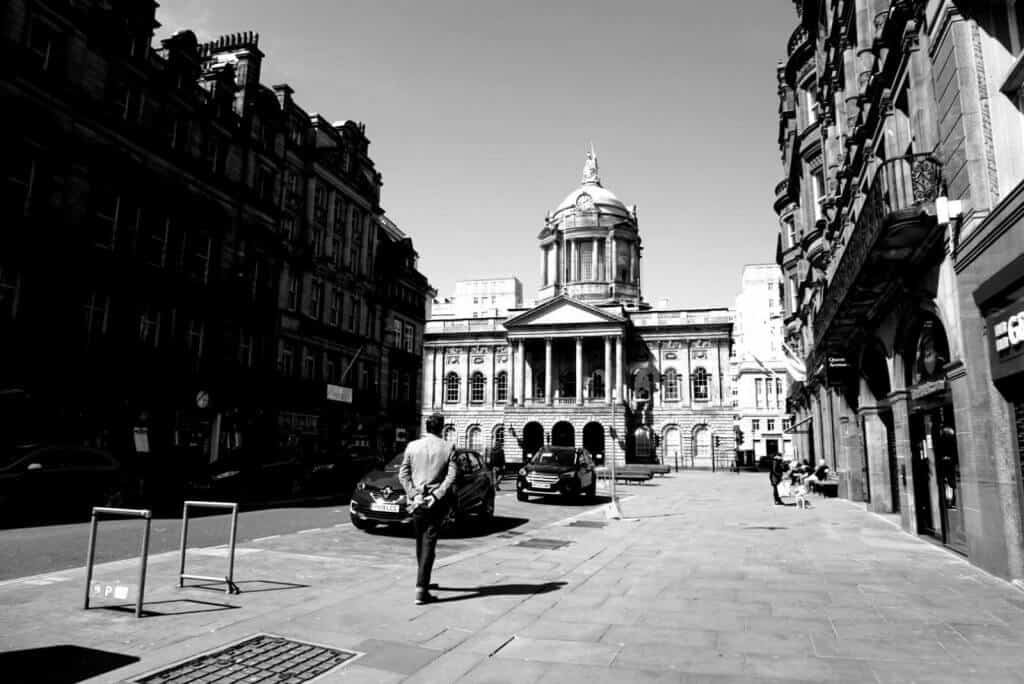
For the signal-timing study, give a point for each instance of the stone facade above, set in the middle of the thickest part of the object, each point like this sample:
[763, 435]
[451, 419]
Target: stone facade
[591, 365]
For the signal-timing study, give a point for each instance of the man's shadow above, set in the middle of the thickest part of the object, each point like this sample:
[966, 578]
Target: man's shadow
[498, 590]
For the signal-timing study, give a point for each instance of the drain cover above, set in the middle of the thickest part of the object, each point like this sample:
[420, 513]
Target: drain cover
[538, 543]
[586, 523]
[261, 658]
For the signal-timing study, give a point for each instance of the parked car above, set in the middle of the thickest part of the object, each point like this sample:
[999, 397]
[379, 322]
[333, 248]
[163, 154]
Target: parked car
[236, 478]
[62, 481]
[380, 500]
[558, 471]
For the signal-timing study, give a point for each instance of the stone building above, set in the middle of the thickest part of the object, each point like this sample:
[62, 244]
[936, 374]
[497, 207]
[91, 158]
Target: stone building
[760, 380]
[173, 286]
[900, 133]
[591, 364]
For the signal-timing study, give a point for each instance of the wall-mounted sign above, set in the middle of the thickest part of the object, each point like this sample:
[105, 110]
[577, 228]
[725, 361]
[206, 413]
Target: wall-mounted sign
[339, 393]
[1006, 331]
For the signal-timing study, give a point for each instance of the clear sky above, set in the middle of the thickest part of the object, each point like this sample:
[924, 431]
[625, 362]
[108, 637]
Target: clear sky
[479, 114]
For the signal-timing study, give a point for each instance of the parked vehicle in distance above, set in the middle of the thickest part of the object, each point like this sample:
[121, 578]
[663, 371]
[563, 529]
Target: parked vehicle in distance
[380, 500]
[557, 471]
[57, 482]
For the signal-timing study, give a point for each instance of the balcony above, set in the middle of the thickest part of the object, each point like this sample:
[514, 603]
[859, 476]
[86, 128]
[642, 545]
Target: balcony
[895, 228]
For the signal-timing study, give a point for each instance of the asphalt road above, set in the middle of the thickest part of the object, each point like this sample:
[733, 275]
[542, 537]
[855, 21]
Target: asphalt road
[36, 550]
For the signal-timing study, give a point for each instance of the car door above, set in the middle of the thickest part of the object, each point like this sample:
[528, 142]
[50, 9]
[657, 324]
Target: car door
[467, 481]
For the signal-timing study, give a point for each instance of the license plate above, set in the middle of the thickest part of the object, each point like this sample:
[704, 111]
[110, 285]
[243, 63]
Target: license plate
[384, 507]
[540, 485]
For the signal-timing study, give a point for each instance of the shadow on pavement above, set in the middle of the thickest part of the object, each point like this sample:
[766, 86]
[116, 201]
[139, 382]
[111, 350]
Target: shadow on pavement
[571, 503]
[249, 586]
[498, 590]
[62, 664]
[470, 529]
[187, 606]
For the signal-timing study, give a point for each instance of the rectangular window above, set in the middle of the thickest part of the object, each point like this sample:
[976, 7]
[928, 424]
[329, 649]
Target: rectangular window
[755, 425]
[96, 311]
[264, 182]
[393, 387]
[335, 314]
[337, 248]
[357, 316]
[106, 214]
[409, 338]
[778, 393]
[790, 232]
[787, 423]
[331, 369]
[293, 293]
[355, 260]
[771, 425]
[810, 104]
[246, 345]
[9, 285]
[291, 186]
[308, 364]
[152, 244]
[759, 392]
[586, 256]
[213, 153]
[817, 193]
[286, 359]
[19, 177]
[318, 241]
[149, 326]
[288, 227]
[126, 102]
[197, 257]
[316, 300]
[194, 337]
[320, 204]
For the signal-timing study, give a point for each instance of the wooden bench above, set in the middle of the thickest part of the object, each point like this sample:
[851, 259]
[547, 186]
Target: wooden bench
[626, 473]
[828, 488]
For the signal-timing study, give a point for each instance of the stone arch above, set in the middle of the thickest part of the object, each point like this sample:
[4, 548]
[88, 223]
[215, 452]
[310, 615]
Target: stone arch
[593, 438]
[672, 445]
[701, 453]
[563, 434]
[926, 350]
[533, 437]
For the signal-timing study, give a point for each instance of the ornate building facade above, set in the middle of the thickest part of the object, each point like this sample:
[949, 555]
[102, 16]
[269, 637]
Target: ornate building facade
[900, 130]
[591, 364]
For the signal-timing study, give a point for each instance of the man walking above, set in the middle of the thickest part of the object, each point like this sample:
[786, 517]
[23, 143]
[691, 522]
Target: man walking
[427, 473]
[777, 468]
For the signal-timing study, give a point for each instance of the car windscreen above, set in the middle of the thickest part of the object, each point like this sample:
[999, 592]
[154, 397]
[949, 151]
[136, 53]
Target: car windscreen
[562, 458]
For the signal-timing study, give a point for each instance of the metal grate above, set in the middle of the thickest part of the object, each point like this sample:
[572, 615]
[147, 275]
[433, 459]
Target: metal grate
[538, 543]
[262, 658]
[586, 523]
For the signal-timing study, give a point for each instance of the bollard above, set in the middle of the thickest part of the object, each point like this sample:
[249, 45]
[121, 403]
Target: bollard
[143, 552]
[229, 579]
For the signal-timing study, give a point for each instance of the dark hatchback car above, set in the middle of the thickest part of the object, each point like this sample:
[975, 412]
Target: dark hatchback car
[61, 482]
[558, 471]
[380, 500]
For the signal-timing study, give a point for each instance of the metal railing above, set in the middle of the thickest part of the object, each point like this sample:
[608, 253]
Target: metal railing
[228, 579]
[143, 552]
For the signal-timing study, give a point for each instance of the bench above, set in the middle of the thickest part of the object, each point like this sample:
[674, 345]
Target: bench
[626, 473]
[828, 488]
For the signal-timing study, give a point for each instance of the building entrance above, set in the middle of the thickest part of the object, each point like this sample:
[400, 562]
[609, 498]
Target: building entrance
[593, 440]
[563, 434]
[937, 477]
[533, 438]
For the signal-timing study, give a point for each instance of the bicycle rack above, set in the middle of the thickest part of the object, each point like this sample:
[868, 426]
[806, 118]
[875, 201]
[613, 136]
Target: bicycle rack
[143, 553]
[228, 579]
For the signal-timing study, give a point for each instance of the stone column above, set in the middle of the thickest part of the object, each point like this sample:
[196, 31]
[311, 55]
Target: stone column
[520, 370]
[620, 377]
[467, 369]
[876, 441]
[544, 279]
[570, 254]
[607, 370]
[527, 376]
[440, 370]
[556, 276]
[899, 401]
[428, 378]
[579, 371]
[613, 275]
[548, 398]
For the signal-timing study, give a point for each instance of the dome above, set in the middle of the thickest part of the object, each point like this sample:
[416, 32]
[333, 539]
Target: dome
[591, 194]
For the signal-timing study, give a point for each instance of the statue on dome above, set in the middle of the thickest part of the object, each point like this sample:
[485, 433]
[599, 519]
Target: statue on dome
[590, 167]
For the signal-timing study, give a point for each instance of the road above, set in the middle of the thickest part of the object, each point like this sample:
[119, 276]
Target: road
[36, 550]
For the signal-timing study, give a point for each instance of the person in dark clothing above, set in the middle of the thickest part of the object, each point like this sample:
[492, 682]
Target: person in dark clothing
[775, 474]
[427, 474]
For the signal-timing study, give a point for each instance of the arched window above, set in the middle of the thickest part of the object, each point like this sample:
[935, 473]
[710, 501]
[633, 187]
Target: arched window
[449, 433]
[498, 442]
[476, 388]
[474, 438]
[671, 385]
[451, 388]
[700, 385]
[501, 387]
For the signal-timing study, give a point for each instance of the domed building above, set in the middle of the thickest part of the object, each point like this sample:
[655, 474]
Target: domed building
[591, 364]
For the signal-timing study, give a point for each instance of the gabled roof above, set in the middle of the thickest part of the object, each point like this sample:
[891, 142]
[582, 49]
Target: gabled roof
[562, 310]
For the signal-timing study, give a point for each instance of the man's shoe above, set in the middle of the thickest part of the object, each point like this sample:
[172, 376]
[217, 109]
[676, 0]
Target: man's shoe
[424, 597]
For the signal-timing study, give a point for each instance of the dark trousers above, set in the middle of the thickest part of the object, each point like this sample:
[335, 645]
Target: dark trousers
[775, 490]
[426, 524]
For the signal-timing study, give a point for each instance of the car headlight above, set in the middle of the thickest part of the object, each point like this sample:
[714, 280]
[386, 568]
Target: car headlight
[522, 472]
[361, 486]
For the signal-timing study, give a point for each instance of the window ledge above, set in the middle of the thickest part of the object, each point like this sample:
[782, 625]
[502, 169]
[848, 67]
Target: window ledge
[1014, 78]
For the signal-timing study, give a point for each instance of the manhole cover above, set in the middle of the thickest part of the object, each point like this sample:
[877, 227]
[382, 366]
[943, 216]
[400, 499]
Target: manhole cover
[538, 543]
[586, 523]
[261, 658]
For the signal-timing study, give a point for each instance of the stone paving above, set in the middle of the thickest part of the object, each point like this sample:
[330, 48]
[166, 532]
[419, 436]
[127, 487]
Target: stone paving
[703, 580]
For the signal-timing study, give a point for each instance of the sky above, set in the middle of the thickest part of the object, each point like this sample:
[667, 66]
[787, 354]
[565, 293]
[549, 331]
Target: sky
[480, 113]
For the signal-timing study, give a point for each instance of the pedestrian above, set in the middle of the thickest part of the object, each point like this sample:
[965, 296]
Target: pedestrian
[498, 465]
[775, 473]
[427, 473]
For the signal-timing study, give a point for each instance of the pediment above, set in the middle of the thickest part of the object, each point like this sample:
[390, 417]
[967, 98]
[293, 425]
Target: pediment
[562, 310]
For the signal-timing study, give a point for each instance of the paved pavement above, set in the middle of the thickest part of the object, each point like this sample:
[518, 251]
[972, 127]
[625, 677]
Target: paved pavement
[703, 580]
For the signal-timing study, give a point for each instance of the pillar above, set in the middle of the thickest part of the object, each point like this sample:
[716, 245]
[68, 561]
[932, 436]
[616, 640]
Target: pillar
[857, 459]
[593, 260]
[527, 376]
[876, 443]
[613, 274]
[439, 379]
[548, 398]
[608, 370]
[520, 368]
[466, 370]
[428, 379]
[899, 401]
[579, 371]
[570, 254]
[544, 279]
[620, 377]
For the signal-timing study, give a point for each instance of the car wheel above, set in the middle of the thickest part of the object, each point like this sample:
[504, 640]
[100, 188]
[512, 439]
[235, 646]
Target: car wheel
[361, 524]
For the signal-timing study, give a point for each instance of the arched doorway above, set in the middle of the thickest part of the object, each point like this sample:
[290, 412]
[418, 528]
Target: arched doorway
[701, 447]
[593, 439]
[533, 438]
[563, 434]
[643, 445]
[672, 446]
